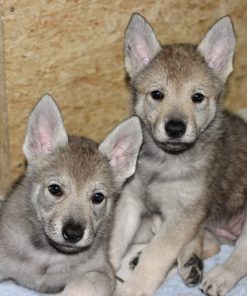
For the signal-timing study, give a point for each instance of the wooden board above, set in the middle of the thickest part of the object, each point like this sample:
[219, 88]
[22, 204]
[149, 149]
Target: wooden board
[73, 50]
[4, 151]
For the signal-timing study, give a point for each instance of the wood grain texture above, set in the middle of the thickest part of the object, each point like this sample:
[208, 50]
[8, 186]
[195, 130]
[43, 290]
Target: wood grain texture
[73, 50]
[4, 151]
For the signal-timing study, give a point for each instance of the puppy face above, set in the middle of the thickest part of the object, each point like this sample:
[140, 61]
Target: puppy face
[73, 181]
[176, 97]
[73, 195]
[177, 87]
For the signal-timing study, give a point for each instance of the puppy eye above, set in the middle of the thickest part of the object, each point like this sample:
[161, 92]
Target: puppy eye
[197, 97]
[157, 95]
[55, 189]
[98, 198]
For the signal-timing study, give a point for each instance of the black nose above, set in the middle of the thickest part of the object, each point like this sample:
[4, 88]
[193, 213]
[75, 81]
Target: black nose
[175, 128]
[72, 232]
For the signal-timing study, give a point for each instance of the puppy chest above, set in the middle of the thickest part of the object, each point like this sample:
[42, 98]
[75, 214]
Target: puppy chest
[166, 196]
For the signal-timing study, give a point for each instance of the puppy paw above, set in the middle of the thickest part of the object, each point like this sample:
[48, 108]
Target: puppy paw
[191, 271]
[218, 281]
[115, 260]
[134, 261]
[126, 293]
[131, 290]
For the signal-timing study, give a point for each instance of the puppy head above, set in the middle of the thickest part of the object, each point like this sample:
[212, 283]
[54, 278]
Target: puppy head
[177, 87]
[73, 181]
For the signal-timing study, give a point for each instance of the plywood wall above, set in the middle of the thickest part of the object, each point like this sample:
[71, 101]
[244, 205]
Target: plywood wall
[4, 151]
[73, 50]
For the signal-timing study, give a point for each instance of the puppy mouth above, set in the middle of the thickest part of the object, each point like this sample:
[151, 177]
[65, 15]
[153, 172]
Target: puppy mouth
[66, 249]
[175, 147]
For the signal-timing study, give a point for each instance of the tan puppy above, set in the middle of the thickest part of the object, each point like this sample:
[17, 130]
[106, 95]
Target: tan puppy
[192, 166]
[55, 223]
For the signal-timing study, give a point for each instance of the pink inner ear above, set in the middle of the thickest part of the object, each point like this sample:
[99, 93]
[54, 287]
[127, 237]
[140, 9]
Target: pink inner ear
[219, 55]
[119, 152]
[46, 142]
[216, 58]
[118, 157]
[143, 54]
[43, 141]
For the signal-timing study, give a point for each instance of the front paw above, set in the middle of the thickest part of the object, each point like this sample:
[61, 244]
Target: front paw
[134, 261]
[127, 290]
[115, 259]
[191, 271]
[218, 281]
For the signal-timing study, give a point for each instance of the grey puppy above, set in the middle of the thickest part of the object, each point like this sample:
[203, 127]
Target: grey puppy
[191, 171]
[55, 223]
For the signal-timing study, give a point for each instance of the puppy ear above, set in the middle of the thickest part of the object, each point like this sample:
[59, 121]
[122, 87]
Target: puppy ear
[45, 130]
[218, 47]
[121, 147]
[141, 44]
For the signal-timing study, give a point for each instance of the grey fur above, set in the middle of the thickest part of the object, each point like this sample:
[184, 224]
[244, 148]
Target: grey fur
[195, 182]
[33, 251]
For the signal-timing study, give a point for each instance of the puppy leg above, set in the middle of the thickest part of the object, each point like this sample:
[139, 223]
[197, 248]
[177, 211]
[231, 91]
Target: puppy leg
[219, 280]
[190, 264]
[126, 223]
[148, 228]
[94, 283]
[211, 245]
[190, 260]
[158, 257]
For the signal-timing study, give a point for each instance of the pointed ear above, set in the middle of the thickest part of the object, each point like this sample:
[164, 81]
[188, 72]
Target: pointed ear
[218, 47]
[45, 131]
[122, 146]
[141, 44]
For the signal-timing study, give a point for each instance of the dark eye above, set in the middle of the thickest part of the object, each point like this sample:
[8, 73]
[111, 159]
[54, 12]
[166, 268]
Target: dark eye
[55, 189]
[197, 97]
[157, 95]
[98, 198]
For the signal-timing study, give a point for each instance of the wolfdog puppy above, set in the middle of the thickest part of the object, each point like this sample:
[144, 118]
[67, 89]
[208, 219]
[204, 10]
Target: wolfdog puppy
[55, 223]
[191, 169]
